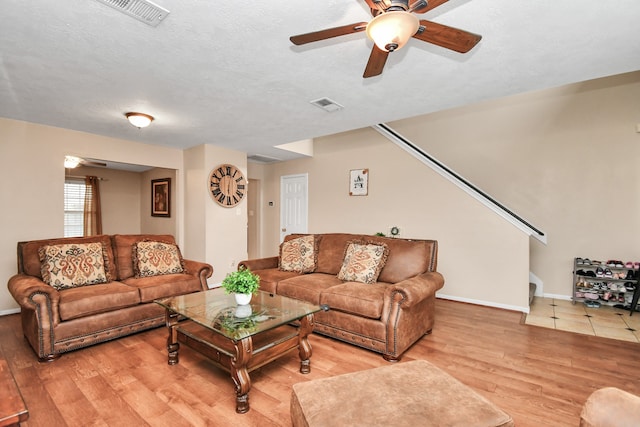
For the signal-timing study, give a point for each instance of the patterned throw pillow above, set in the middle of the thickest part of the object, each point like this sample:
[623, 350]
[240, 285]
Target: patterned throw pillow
[152, 258]
[73, 265]
[299, 254]
[363, 262]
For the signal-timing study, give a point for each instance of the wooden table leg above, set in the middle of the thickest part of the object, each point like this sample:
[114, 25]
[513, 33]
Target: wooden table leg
[171, 319]
[240, 374]
[304, 347]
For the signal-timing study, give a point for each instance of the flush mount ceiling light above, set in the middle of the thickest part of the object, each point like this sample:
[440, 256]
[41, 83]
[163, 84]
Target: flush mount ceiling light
[139, 120]
[71, 162]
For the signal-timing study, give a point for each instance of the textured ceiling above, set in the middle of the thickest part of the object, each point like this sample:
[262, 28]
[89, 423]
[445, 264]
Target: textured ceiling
[224, 72]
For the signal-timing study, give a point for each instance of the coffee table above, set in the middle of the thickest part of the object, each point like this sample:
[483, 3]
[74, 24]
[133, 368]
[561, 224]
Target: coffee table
[239, 339]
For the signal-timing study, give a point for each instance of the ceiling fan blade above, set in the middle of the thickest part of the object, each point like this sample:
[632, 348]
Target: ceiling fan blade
[376, 62]
[376, 6]
[93, 163]
[328, 33]
[447, 37]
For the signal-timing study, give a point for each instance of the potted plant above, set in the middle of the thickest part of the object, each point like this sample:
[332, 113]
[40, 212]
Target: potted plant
[243, 283]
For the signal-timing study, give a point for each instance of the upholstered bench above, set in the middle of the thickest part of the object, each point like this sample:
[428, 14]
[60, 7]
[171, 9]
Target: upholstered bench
[406, 394]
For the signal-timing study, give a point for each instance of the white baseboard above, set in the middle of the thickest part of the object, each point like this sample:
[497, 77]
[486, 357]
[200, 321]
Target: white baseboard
[485, 303]
[556, 296]
[10, 311]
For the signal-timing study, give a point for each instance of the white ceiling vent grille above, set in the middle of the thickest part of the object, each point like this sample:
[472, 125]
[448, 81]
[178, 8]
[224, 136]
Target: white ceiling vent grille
[142, 10]
[327, 104]
[259, 158]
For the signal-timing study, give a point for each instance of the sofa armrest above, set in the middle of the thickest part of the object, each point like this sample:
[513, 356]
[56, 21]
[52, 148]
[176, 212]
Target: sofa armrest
[202, 270]
[415, 289]
[23, 287]
[260, 263]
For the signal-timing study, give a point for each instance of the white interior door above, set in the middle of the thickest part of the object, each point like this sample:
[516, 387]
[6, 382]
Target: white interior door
[293, 204]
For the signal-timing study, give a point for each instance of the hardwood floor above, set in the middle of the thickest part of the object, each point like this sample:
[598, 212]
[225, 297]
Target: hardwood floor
[540, 376]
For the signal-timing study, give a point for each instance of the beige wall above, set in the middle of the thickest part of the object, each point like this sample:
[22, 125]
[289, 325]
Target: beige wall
[219, 234]
[484, 258]
[119, 198]
[155, 224]
[565, 159]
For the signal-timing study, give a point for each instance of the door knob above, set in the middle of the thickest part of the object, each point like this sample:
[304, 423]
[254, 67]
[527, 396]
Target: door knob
[284, 229]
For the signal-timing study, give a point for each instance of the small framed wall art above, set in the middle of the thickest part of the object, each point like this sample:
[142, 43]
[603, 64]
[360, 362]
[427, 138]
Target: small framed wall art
[161, 197]
[359, 182]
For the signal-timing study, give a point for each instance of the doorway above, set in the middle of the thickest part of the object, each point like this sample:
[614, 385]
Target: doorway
[293, 204]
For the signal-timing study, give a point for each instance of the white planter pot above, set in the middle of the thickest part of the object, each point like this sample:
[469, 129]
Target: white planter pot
[243, 299]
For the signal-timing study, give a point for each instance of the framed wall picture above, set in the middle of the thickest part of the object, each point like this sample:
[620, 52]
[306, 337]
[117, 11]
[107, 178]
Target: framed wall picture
[161, 197]
[359, 182]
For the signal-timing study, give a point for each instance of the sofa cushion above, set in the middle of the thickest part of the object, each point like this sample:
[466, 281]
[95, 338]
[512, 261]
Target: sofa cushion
[154, 258]
[331, 247]
[123, 249]
[357, 298]
[72, 265]
[363, 262]
[29, 259]
[407, 258]
[269, 278]
[299, 254]
[155, 287]
[307, 287]
[85, 301]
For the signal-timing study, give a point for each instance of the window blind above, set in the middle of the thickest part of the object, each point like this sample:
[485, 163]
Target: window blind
[74, 190]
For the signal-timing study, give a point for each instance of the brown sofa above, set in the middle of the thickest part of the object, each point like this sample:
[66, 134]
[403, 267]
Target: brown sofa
[387, 316]
[58, 321]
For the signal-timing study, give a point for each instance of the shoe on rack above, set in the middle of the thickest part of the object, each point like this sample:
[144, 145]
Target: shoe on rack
[607, 273]
[628, 264]
[599, 272]
[579, 261]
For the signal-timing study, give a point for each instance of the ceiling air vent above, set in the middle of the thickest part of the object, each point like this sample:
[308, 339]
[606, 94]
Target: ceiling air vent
[142, 10]
[327, 104]
[258, 158]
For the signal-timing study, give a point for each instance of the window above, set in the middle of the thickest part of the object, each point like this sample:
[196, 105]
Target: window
[74, 207]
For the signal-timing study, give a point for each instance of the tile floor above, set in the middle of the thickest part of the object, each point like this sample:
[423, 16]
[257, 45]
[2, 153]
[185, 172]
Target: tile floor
[605, 321]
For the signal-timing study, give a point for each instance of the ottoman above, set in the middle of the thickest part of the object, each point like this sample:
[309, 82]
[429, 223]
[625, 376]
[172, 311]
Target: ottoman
[407, 394]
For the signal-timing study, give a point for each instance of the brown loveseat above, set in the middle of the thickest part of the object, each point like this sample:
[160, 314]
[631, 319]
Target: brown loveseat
[57, 321]
[386, 316]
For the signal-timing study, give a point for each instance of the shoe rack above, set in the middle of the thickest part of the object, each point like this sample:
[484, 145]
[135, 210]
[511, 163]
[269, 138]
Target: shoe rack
[597, 283]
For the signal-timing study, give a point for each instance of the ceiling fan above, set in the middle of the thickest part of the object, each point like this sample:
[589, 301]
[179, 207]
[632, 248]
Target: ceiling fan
[392, 25]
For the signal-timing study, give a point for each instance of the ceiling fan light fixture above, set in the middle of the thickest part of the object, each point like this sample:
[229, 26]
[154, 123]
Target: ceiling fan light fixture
[139, 120]
[391, 30]
[71, 162]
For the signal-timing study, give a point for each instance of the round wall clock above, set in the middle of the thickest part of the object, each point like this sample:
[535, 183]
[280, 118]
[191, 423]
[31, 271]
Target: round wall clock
[227, 185]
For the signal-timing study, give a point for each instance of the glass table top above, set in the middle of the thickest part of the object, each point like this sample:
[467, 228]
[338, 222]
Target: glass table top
[218, 311]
